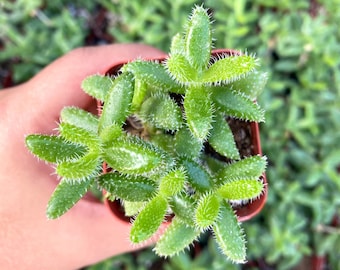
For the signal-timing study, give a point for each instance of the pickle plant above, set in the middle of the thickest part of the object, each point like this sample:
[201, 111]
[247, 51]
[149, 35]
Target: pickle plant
[157, 120]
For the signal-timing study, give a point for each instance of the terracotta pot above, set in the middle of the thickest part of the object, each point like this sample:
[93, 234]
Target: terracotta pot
[244, 212]
[251, 209]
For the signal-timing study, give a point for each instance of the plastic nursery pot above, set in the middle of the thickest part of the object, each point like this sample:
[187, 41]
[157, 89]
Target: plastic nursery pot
[249, 210]
[249, 133]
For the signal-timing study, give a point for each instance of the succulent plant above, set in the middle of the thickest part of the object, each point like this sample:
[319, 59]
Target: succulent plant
[157, 121]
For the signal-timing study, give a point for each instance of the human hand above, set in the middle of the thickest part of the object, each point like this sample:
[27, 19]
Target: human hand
[86, 234]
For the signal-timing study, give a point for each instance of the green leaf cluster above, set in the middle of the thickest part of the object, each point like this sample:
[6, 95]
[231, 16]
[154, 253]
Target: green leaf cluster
[183, 101]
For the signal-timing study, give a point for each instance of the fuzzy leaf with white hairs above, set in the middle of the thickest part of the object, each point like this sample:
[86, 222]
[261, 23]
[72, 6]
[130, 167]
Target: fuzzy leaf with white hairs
[97, 86]
[133, 208]
[126, 187]
[198, 40]
[163, 141]
[198, 177]
[117, 103]
[139, 94]
[162, 112]
[229, 69]
[182, 205]
[229, 235]
[148, 220]
[248, 168]
[243, 189]
[154, 74]
[80, 118]
[110, 133]
[176, 238]
[198, 111]
[237, 105]
[79, 135]
[54, 149]
[87, 166]
[132, 155]
[172, 183]
[186, 144]
[66, 194]
[207, 210]
[177, 44]
[222, 139]
[251, 85]
[180, 69]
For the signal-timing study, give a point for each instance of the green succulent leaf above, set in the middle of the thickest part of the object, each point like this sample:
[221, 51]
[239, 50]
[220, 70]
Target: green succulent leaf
[163, 141]
[54, 149]
[186, 144]
[198, 111]
[149, 220]
[97, 86]
[243, 189]
[222, 139]
[177, 44]
[133, 208]
[180, 69]
[162, 112]
[198, 177]
[111, 133]
[213, 165]
[117, 103]
[79, 135]
[176, 238]
[80, 118]
[229, 69]
[126, 187]
[154, 74]
[172, 183]
[183, 207]
[247, 168]
[198, 39]
[252, 85]
[135, 156]
[66, 194]
[236, 104]
[88, 166]
[229, 235]
[207, 210]
[139, 94]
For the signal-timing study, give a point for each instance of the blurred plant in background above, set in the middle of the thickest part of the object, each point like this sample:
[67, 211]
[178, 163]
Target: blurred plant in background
[298, 41]
[35, 32]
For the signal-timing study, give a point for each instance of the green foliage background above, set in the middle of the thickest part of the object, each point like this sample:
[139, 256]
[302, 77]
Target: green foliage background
[298, 42]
